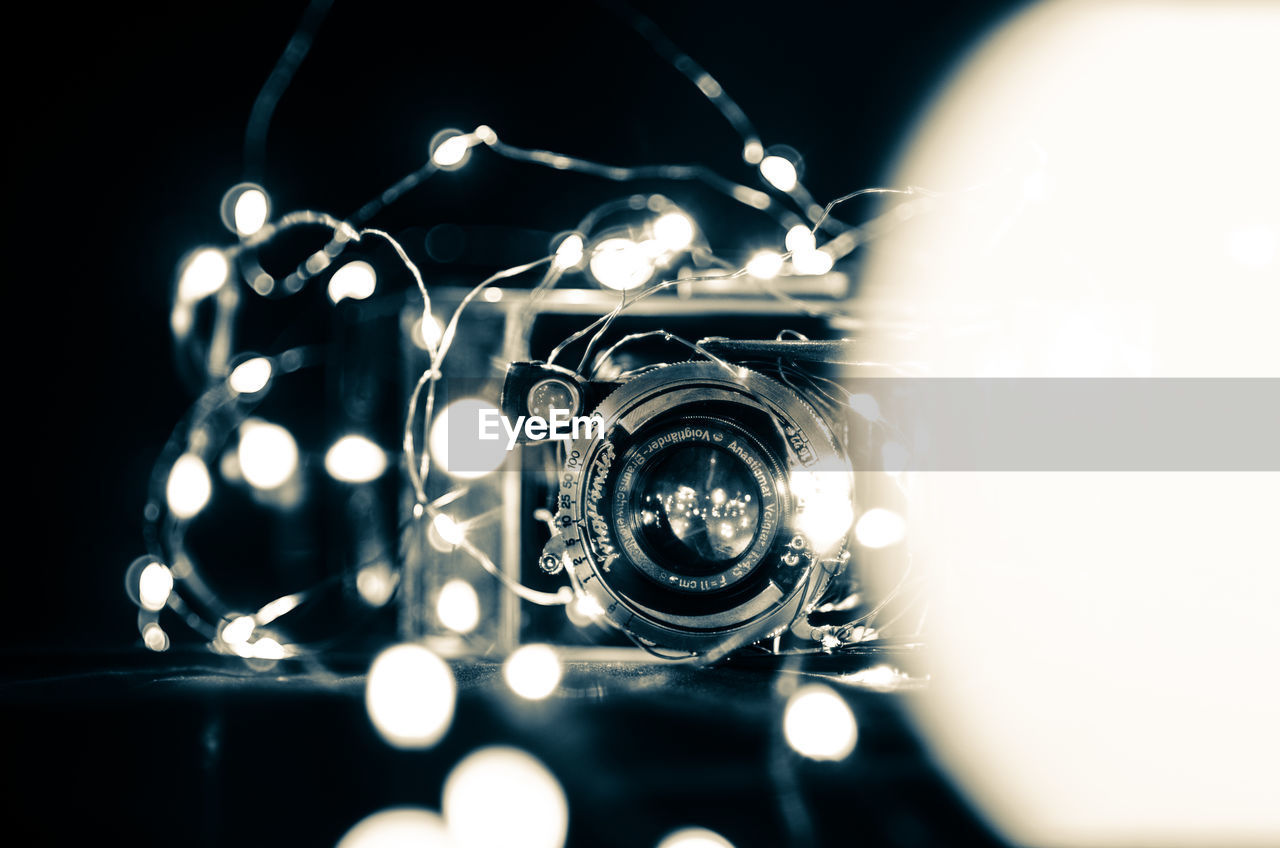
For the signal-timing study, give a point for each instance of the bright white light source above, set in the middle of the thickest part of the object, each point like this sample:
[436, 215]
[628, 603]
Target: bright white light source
[569, 253]
[825, 506]
[880, 528]
[458, 606]
[882, 677]
[819, 724]
[812, 263]
[428, 331]
[280, 606]
[251, 376]
[477, 457]
[533, 671]
[268, 455]
[674, 231]
[779, 172]
[238, 631]
[694, 837]
[765, 265]
[498, 797]
[752, 152]
[205, 273]
[653, 249]
[355, 459]
[356, 280]
[620, 264]
[1117, 727]
[1252, 247]
[189, 487]
[268, 648]
[375, 583]
[398, 827]
[450, 531]
[155, 638]
[805, 257]
[154, 585]
[251, 211]
[589, 606]
[451, 151]
[800, 239]
[410, 696]
[584, 610]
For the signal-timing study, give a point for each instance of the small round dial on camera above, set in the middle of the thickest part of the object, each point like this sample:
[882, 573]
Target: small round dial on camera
[707, 515]
[549, 394]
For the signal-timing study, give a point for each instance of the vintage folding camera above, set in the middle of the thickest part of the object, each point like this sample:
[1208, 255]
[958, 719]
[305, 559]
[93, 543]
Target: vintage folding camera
[710, 507]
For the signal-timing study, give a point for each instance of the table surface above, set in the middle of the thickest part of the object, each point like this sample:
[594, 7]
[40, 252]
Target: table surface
[200, 750]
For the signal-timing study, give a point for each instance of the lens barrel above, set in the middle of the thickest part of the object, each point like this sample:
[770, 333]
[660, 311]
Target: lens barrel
[684, 520]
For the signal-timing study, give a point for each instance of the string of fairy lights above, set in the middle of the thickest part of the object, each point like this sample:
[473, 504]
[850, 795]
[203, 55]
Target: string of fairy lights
[238, 381]
[411, 692]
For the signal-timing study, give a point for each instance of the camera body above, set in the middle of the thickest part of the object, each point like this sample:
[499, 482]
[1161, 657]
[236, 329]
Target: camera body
[710, 508]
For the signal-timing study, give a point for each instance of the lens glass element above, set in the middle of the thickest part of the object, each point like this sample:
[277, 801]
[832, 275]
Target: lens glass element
[699, 505]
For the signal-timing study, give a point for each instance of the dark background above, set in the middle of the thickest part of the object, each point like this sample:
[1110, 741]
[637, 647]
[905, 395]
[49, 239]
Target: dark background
[130, 127]
[127, 127]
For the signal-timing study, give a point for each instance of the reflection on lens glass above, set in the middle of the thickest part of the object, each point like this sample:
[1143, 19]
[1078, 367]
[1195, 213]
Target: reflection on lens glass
[700, 504]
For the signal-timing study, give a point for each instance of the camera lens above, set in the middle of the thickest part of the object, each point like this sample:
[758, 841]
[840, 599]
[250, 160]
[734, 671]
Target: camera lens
[698, 507]
[681, 516]
[696, 504]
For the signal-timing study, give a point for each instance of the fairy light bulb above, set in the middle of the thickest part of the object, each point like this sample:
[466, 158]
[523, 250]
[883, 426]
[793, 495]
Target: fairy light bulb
[399, 827]
[355, 459]
[455, 444]
[779, 172]
[500, 796]
[251, 211]
[806, 259]
[376, 582]
[694, 837]
[204, 274]
[356, 280]
[533, 672]
[569, 253]
[765, 265]
[268, 454]
[246, 208]
[588, 607]
[189, 487]
[410, 694]
[154, 585]
[620, 264]
[825, 506]
[452, 151]
[450, 532]
[458, 606]
[154, 637]
[1119, 725]
[818, 724]
[251, 376]
[267, 648]
[880, 528]
[674, 231]
[428, 331]
[800, 239]
[812, 262]
[238, 631]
